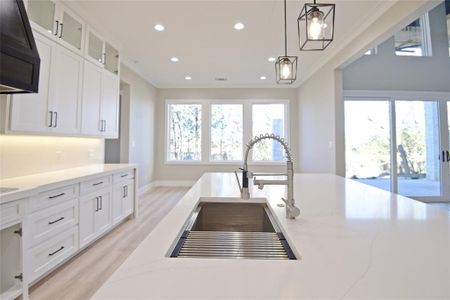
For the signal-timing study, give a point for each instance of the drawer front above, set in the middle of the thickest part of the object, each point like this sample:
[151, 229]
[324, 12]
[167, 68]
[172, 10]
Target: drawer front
[92, 185]
[53, 197]
[47, 223]
[11, 212]
[121, 176]
[48, 255]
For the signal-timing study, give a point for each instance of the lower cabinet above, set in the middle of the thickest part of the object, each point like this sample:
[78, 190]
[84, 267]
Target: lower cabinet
[95, 215]
[123, 197]
[49, 254]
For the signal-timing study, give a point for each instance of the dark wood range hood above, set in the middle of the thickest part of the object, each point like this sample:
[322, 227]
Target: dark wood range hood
[19, 58]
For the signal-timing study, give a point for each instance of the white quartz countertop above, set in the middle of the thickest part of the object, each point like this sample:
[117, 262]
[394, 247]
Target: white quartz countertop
[355, 241]
[30, 184]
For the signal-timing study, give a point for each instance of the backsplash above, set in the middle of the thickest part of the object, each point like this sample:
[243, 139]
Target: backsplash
[25, 155]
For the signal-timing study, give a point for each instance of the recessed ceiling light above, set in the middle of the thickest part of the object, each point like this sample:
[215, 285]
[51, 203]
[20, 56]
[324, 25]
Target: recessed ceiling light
[188, 78]
[174, 59]
[263, 77]
[239, 26]
[271, 59]
[159, 27]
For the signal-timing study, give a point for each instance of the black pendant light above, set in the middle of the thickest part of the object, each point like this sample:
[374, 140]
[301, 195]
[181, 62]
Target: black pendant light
[286, 66]
[316, 26]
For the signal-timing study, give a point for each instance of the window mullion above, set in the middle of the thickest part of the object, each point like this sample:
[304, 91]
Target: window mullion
[206, 131]
[247, 127]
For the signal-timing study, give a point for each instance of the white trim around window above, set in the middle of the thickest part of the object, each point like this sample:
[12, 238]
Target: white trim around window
[206, 129]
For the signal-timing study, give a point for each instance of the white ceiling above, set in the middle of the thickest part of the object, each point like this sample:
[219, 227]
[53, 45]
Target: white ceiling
[201, 35]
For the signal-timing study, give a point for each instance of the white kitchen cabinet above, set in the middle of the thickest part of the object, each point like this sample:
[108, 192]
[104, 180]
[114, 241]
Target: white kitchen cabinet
[56, 21]
[100, 102]
[66, 91]
[31, 112]
[111, 59]
[110, 104]
[95, 48]
[95, 215]
[123, 196]
[91, 100]
[10, 262]
[56, 107]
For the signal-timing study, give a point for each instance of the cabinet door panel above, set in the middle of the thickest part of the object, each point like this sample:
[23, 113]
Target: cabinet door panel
[71, 32]
[42, 14]
[118, 195]
[92, 92]
[127, 202]
[66, 96]
[103, 216]
[88, 207]
[110, 104]
[30, 112]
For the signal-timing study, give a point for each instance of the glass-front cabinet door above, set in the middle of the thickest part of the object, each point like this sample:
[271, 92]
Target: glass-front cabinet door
[71, 31]
[95, 48]
[42, 14]
[111, 58]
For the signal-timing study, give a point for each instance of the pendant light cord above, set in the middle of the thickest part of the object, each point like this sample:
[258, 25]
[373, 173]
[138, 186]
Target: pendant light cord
[285, 30]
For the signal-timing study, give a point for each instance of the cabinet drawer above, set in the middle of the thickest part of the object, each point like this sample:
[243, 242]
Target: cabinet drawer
[11, 212]
[118, 177]
[48, 255]
[53, 197]
[94, 184]
[47, 223]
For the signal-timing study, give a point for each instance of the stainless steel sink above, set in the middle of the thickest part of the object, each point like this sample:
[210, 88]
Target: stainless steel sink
[232, 230]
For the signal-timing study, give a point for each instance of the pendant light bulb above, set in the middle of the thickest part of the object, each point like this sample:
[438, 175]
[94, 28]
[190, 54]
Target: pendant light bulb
[286, 70]
[316, 25]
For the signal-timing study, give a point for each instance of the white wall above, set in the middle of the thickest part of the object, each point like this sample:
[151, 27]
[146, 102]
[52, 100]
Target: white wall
[320, 98]
[193, 172]
[386, 71]
[141, 133]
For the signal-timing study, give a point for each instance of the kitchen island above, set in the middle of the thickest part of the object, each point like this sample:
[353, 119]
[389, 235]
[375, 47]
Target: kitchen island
[351, 241]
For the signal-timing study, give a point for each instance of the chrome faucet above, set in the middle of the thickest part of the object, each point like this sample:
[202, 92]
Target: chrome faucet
[291, 210]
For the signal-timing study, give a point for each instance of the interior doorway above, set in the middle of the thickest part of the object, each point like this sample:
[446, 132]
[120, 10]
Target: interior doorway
[116, 150]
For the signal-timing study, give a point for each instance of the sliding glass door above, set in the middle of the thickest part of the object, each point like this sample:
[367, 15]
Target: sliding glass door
[399, 144]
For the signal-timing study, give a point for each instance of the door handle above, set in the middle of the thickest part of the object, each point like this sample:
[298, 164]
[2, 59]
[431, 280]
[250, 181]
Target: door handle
[56, 119]
[57, 28]
[448, 156]
[96, 205]
[61, 33]
[101, 203]
[51, 119]
[104, 128]
[53, 253]
[56, 221]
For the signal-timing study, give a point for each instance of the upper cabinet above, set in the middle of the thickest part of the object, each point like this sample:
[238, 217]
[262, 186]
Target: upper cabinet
[57, 22]
[80, 84]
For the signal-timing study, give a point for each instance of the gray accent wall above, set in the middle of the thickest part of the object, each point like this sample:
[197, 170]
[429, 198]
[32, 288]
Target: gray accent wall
[386, 71]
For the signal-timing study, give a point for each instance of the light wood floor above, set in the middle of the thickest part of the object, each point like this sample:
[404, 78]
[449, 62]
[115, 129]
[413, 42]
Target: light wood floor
[80, 277]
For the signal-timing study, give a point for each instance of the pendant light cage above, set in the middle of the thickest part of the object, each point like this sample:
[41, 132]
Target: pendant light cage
[316, 26]
[286, 69]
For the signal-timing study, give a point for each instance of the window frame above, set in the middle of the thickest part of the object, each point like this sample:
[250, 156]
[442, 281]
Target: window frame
[247, 130]
[426, 38]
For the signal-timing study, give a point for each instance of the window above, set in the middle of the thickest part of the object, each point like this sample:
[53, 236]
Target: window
[185, 132]
[447, 11]
[268, 118]
[372, 51]
[413, 40]
[217, 131]
[226, 132]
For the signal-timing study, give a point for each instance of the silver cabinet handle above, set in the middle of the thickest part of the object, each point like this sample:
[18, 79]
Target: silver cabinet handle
[57, 28]
[96, 204]
[56, 119]
[51, 119]
[61, 33]
[56, 221]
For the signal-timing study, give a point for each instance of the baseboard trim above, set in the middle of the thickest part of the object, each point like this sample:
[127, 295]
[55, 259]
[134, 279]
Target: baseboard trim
[173, 183]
